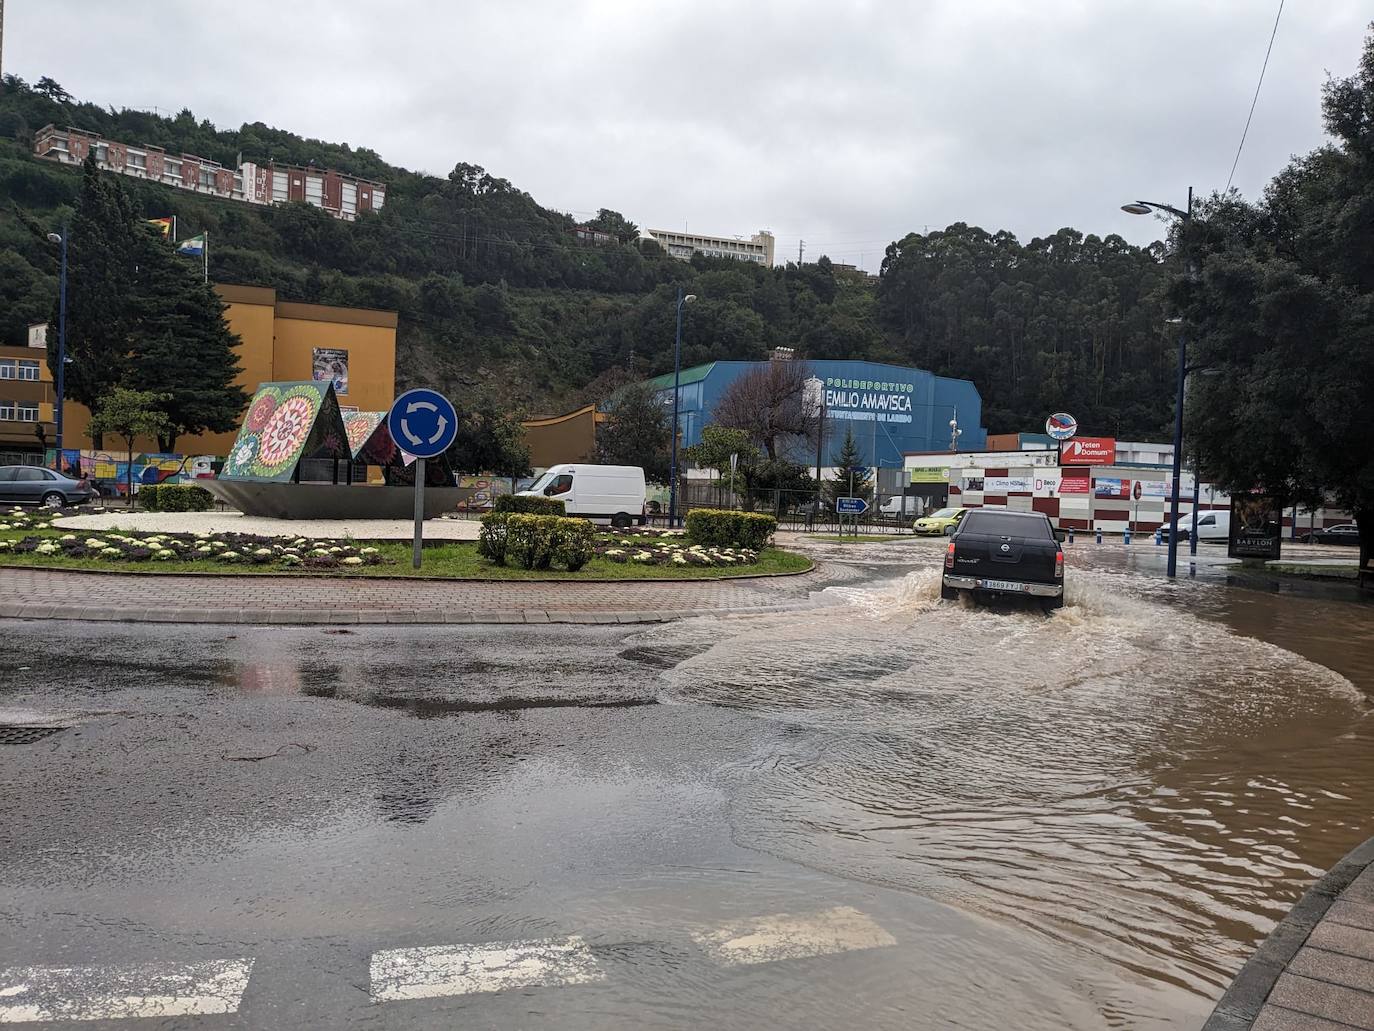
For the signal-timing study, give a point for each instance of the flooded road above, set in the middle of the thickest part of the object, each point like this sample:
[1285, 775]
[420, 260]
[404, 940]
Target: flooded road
[1079, 821]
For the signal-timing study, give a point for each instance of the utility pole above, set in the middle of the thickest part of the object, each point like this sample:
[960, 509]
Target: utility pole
[2, 38]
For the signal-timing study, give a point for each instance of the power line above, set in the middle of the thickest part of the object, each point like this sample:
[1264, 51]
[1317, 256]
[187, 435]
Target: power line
[1255, 100]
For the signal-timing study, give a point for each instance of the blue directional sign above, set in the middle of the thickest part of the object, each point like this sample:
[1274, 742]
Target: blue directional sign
[851, 506]
[422, 423]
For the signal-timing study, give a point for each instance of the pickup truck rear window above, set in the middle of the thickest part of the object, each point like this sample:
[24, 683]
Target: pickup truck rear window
[1004, 524]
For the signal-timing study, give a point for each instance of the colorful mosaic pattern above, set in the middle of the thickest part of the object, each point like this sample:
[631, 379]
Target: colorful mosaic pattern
[287, 422]
[359, 426]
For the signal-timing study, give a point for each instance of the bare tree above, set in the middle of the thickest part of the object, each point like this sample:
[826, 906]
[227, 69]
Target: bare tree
[770, 403]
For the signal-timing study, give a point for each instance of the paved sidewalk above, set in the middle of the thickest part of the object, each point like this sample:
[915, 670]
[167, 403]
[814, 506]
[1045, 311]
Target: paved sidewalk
[59, 594]
[1315, 972]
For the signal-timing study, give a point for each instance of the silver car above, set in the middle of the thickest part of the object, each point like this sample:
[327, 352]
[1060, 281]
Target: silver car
[34, 485]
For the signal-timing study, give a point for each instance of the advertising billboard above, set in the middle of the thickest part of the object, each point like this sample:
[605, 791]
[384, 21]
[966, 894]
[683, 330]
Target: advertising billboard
[1111, 487]
[1008, 484]
[1256, 526]
[1075, 485]
[1088, 451]
[933, 475]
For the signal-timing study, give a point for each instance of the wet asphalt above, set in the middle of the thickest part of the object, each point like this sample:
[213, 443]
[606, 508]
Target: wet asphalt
[309, 797]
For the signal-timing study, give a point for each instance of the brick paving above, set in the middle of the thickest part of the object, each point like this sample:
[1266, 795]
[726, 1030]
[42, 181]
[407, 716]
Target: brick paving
[1315, 972]
[59, 594]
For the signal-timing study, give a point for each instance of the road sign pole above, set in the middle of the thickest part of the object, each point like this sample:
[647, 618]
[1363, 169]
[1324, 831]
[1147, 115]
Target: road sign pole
[419, 512]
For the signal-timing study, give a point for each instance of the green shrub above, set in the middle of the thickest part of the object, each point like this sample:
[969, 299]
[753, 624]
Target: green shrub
[574, 543]
[717, 528]
[534, 505]
[530, 539]
[493, 538]
[175, 497]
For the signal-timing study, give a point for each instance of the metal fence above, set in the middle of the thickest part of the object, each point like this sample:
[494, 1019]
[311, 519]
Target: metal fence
[803, 510]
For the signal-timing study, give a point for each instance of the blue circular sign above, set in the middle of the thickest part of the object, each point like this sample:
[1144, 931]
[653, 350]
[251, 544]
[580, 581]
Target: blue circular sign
[422, 422]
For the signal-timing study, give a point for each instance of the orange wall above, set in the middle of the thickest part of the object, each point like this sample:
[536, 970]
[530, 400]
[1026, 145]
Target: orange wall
[276, 341]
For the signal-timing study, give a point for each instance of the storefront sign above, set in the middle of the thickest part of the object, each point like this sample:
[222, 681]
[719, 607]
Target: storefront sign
[1088, 451]
[1008, 484]
[940, 475]
[1075, 485]
[1256, 526]
[972, 483]
[1061, 425]
[1046, 486]
[1111, 487]
[1153, 488]
[865, 399]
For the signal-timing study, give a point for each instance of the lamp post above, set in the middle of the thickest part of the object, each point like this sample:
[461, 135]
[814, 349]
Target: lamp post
[59, 385]
[1145, 207]
[677, 376]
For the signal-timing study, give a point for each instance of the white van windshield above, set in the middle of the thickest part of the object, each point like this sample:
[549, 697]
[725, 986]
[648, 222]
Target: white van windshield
[538, 485]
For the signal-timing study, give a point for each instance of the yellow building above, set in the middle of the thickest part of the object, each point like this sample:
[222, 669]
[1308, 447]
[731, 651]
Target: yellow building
[287, 340]
[26, 403]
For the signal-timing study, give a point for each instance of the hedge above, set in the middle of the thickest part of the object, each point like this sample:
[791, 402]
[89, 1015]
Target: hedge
[175, 497]
[536, 541]
[717, 528]
[531, 505]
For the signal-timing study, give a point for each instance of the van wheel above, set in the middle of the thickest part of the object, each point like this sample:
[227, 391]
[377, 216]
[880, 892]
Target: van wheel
[620, 521]
[949, 593]
[1052, 604]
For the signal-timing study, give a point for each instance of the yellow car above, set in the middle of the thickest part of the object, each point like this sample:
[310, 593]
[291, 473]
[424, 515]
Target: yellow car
[943, 521]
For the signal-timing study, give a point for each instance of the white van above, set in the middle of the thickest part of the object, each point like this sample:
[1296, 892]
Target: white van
[900, 505]
[1212, 525]
[602, 493]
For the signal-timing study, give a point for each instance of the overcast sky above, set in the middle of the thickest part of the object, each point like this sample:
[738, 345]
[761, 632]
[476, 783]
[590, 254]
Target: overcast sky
[847, 124]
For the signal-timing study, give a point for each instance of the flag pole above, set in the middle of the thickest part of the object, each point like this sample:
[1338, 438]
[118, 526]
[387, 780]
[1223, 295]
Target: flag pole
[174, 229]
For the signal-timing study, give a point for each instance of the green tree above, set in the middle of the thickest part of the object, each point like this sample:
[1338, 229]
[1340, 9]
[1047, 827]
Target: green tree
[490, 440]
[182, 348]
[616, 224]
[1283, 309]
[130, 414]
[636, 432]
[849, 457]
[100, 281]
[717, 444]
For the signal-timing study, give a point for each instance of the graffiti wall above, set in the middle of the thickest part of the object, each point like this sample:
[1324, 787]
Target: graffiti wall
[111, 468]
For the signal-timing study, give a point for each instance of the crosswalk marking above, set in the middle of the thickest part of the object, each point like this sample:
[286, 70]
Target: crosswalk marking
[108, 993]
[441, 970]
[766, 939]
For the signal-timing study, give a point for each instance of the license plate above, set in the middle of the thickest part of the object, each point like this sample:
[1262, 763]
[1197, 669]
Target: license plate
[1001, 585]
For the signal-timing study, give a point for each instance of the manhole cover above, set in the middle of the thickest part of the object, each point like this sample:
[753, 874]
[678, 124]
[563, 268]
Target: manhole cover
[10, 735]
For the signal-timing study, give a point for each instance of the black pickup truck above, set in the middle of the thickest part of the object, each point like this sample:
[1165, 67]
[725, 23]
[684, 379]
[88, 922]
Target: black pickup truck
[1006, 553]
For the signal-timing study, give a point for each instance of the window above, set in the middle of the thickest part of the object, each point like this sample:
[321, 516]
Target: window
[7, 411]
[561, 485]
[28, 369]
[31, 474]
[1006, 524]
[28, 411]
[8, 369]
[1207, 520]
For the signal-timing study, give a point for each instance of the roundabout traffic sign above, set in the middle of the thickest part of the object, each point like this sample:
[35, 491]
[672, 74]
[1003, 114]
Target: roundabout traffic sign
[422, 422]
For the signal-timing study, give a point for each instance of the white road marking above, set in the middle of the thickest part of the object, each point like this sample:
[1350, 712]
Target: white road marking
[108, 993]
[766, 939]
[441, 970]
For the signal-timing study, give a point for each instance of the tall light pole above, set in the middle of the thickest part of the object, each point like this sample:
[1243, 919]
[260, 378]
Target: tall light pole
[60, 376]
[1145, 207]
[677, 377]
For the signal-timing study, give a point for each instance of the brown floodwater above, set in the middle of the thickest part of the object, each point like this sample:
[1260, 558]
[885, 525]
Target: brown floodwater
[1140, 786]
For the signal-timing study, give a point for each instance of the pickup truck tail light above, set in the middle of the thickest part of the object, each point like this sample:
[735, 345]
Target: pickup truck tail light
[949, 556]
[1059, 565]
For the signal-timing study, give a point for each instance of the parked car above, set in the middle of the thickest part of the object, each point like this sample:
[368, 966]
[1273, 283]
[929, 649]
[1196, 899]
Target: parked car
[33, 485]
[1345, 533]
[602, 493]
[1211, 526]
[942, 521]
[1005, 553]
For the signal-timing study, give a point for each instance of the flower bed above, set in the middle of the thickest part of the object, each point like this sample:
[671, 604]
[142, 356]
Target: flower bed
[31, 518]
[649, 547]
[219, 549]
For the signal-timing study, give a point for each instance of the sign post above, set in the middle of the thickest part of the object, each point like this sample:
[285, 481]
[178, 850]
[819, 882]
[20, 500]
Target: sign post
[423, 423]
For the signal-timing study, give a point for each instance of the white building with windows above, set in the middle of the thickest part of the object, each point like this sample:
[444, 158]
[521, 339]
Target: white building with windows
[757, 248]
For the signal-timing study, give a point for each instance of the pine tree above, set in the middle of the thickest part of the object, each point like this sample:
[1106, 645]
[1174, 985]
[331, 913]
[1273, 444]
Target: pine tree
[100, 276]
[182, 348]
[849, 457]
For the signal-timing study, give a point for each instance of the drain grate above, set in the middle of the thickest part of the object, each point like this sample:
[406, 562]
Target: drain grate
[10, 735]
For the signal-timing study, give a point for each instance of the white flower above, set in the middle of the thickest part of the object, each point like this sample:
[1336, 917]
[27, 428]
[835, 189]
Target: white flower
[615, 551]
[111, 552]
[367, 551]
[68, 537]
[262, 551]
[164, 554]
[642, 556]
[679, 559]
[94, 542]
[46, 548]
[320, 553]
[335, 550]
[291, 560]
[218, 544]
[228, 556]
[203, 551]
[352, 560]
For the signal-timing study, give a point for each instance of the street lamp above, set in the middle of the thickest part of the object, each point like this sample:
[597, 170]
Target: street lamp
[677, 375]
[954, 432]
[1145, 207]
[59, 386]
